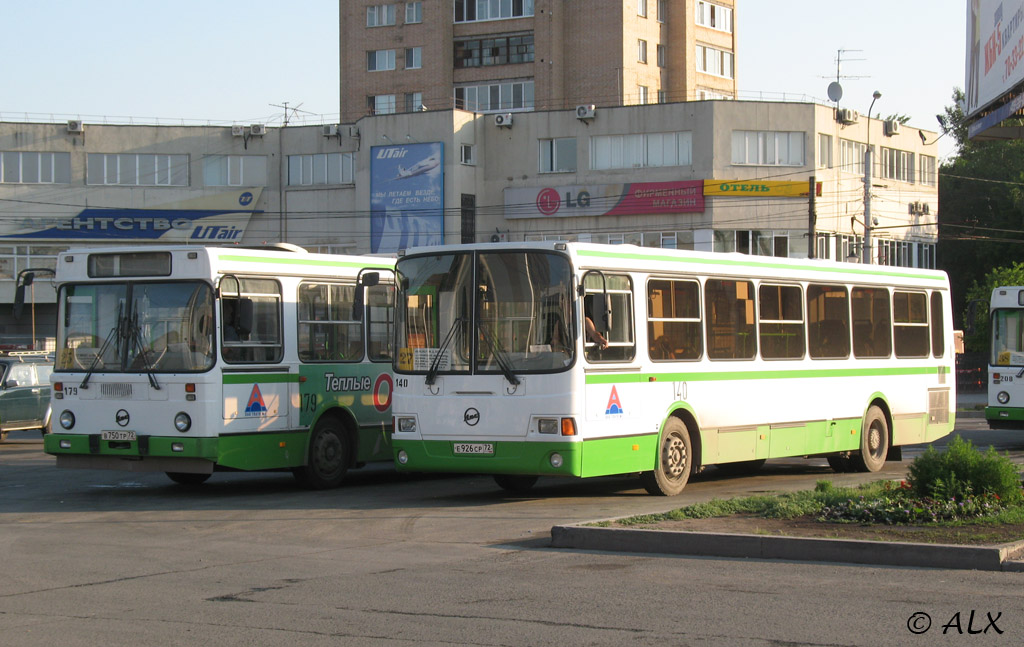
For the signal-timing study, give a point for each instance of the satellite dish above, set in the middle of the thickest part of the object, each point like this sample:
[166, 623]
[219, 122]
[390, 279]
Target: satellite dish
[835, 91]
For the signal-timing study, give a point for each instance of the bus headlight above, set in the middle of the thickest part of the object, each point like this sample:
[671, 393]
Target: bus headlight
[1003, 397]
[547, 425]
[182, 422]
[556, 460]
[67, 419]
[407, 425]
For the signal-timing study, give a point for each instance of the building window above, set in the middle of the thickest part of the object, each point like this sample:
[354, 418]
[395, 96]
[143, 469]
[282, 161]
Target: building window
[927, 170]
[413, 101]
[897, 165]
[467, 154]
[641, 50]
[662, 10]
[662, 56]
[851, 156]
[381, 15]
[381, 104]
[641, 8]
[714, 61]
[497, 50]
[706, 94]
[635, 151]
[474, 10]
[138, 170]
[35, 168]
[235, 170]
[381, 59]
[824, 150]
[330, 168]
[714, 16]
[413, 12]
[662, 96]
[641, 94]
[413, 58]
[493, 97]
[767, 148]
[557, 155]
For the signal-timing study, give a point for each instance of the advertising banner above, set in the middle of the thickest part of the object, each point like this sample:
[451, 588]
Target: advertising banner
[995, 50]
[221, 218]
[759, 188]
[639, 198]
[406, 196]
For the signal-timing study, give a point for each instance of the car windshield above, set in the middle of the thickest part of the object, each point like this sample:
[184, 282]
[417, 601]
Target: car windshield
[487, 312]
[154, 327]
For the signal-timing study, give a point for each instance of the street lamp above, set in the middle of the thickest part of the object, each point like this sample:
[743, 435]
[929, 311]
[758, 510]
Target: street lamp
[866, 252]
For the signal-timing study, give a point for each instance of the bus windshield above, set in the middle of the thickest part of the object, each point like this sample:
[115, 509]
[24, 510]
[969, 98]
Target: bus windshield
[488, 312]
[136, 327]
[1008, 337]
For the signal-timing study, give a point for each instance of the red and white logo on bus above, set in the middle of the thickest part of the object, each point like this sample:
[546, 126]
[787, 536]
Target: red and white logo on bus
[382, 403]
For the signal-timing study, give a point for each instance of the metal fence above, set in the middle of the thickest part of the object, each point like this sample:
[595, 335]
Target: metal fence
[971, 372]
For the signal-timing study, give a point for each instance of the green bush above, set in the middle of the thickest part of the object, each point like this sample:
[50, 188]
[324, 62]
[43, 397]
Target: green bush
[962, 471]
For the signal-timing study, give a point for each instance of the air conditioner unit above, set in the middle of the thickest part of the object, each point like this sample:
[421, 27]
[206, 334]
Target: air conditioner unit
[257, 130]
[892, 127]
[330, 130]
[847, 116]
[504, 120]
[351, 131]
[238, 131]
[586, 111]
[76, 126]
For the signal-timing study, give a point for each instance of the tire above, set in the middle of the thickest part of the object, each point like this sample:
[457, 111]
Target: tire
[675, 461]
[741, 467]
[874, 442]
[839, 464]
[515, 483]
[187, 478]
[329, 456]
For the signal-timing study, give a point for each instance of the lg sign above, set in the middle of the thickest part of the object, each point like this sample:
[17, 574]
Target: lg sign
[549, 200]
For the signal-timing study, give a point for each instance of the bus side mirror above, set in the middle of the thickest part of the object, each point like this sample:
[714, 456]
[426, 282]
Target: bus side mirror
[19, 292]
[367, 280]
[605, 315]
[244, 318]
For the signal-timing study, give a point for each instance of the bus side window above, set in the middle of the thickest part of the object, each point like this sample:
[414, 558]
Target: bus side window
[621, 339]
[938, 330]
[828, 322]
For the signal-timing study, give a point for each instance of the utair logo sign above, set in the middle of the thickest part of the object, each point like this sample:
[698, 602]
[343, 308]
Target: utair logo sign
[614, 406]
[256, 408]
[392, 153]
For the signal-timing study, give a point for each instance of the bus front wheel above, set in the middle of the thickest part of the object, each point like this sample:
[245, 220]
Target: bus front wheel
[874, 442]
[675, 461]
[187, 478]
[328, 458]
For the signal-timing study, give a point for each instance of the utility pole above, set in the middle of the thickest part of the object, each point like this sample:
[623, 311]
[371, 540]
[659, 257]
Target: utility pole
[866, 252]
[812, 220]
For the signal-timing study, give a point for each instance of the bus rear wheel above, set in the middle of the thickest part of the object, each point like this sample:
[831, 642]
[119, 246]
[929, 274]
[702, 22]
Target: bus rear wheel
[874, 442]
[675, 461]
[328, 458]
[515, 483]
[187, 478]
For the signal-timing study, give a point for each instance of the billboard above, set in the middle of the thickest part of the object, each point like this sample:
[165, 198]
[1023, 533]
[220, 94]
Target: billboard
[406, 196]
[638, 198]
[995, 51]
[217, 218]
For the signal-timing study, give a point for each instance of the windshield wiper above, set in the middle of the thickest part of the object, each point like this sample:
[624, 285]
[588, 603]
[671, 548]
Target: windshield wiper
[135, 340]
[116, 334]
[499, 354]
[436, 364]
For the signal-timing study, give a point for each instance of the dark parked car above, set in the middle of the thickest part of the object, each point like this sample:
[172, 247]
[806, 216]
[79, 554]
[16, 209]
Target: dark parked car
[24, 391]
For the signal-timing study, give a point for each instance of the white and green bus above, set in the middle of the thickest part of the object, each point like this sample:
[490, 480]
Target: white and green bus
[189, 360]
[1005, 408]
[697, 359]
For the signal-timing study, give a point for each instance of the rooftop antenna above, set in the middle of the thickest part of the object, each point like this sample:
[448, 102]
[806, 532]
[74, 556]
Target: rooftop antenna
[835, 90]
[294, 110]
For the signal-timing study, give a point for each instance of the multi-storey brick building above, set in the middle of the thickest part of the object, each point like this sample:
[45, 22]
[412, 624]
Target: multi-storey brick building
[518, 55]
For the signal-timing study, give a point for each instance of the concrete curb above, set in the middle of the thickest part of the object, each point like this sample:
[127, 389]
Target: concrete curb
[853, 551]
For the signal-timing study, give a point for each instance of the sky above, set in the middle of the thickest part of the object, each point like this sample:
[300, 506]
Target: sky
[234, 61]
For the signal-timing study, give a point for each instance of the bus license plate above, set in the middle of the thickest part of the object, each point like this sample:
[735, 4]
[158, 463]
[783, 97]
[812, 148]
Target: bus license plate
[118, 435]
[474, 448]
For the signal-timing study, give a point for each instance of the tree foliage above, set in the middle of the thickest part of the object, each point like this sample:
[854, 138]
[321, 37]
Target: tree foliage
[978, 336]
[981, 207]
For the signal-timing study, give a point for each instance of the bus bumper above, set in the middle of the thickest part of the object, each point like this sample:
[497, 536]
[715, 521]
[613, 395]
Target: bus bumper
[509, 457]
[1005, 416]
[147, 454]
